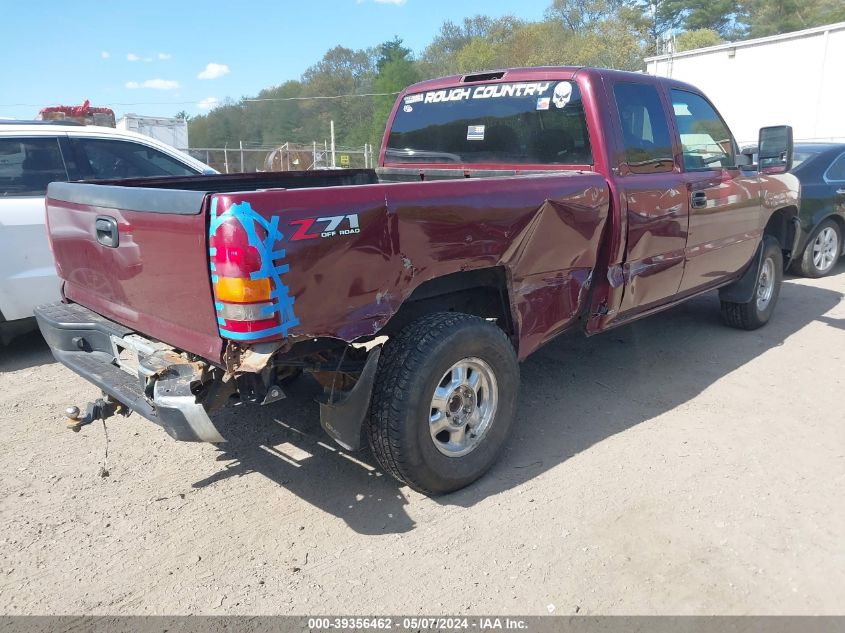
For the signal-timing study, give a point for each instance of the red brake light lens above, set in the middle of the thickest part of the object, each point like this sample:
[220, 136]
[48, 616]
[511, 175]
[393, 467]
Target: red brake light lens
[237, 261]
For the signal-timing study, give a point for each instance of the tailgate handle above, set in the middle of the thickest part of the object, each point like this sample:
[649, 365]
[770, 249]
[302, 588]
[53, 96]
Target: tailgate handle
[107, 233]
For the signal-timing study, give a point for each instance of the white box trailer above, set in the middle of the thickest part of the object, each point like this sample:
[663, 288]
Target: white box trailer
[168, 130]
[793, 78]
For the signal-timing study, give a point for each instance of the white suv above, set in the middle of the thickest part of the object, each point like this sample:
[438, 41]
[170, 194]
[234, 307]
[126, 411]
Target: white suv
[34, 154]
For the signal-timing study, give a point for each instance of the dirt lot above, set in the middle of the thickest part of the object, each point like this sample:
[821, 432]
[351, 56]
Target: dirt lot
[672, 466]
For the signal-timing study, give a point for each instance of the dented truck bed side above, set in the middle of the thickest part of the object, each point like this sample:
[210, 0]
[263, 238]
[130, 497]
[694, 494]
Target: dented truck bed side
[346, 269]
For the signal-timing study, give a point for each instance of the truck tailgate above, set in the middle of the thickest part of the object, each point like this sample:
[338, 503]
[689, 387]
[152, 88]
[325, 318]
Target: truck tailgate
[155, 279]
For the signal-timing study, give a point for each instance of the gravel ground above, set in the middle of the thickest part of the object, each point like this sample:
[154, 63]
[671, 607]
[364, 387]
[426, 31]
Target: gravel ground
[671, 466]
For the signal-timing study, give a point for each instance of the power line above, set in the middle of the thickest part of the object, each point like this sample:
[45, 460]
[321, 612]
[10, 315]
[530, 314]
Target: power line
[139, 103]
[372, 94]
[41, 105]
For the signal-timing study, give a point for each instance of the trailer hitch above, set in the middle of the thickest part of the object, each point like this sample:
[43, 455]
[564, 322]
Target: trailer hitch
[100, 409]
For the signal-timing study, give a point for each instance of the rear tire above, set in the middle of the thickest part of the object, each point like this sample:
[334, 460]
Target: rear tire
[822, 251]
[757, 312]
[443, 401]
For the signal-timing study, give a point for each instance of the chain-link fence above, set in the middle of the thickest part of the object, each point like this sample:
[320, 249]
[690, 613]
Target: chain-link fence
[244, 157]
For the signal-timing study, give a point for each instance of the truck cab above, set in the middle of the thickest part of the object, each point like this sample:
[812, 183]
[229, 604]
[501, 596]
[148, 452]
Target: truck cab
[687, 201]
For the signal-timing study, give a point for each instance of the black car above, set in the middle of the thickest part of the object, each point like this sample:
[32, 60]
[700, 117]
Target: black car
[820, 167]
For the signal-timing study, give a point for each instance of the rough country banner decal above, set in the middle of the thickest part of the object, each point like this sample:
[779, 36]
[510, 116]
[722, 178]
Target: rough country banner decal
[487, 91]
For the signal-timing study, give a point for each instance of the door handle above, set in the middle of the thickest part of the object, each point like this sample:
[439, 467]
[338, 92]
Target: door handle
[698, 200]
[106, 230]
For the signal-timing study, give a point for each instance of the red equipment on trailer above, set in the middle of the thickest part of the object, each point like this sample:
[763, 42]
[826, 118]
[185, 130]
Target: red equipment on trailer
[84, 114]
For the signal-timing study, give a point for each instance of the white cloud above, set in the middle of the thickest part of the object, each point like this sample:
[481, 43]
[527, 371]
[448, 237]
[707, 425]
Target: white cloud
[396, 2]
[153, 84]
[213, 71]
[105, 54]
[132, 57]
[164, 56]
[208, 103]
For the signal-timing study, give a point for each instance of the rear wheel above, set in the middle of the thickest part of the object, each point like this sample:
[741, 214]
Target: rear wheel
[822, 250]
[757, 312]
[443, 402]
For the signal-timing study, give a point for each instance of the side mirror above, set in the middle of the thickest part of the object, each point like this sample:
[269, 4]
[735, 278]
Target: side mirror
[775, 149]
[747, 157]
[744, 160]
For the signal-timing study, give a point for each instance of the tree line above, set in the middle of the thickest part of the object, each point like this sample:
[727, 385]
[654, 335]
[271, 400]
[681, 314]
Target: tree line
[607, 33]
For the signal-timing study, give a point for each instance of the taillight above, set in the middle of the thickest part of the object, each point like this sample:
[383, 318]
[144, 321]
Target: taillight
[251, 299]
[47, 225]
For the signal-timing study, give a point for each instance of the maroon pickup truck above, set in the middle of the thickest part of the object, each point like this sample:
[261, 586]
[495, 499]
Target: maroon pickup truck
[508, 207]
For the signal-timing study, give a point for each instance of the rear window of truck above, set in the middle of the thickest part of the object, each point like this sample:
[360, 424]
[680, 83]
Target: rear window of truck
[536, 122]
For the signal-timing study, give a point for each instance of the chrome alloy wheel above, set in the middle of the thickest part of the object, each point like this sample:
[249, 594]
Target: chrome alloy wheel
[766, 284]
[463, 407]
[825, 249]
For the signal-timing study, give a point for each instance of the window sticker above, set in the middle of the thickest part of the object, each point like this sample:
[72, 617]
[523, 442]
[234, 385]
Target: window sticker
[408, 108]
[475, 133]
[562, 94]
[543, 103]
[414, 98]
[681, 109]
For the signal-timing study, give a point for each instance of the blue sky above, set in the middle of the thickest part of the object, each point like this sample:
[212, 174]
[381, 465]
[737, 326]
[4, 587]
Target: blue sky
[149, 56]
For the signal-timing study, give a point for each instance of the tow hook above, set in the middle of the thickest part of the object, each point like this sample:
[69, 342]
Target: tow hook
[100, 409]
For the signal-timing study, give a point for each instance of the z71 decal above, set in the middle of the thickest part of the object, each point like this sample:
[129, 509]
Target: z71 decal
[313, 228]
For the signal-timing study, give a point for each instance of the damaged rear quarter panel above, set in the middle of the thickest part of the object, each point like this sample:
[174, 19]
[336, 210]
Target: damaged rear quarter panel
[544, 230]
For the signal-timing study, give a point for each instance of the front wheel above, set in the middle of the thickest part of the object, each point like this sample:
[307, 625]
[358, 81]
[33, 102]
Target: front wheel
[443, 401]
[757, 312]
[822, 250]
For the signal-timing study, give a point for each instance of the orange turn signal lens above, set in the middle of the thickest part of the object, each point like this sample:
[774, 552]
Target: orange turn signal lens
[238, 290]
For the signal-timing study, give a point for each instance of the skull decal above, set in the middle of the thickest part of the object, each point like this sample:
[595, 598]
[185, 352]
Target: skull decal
[562, 95]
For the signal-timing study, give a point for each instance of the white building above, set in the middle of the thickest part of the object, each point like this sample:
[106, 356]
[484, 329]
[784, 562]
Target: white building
[796, 79]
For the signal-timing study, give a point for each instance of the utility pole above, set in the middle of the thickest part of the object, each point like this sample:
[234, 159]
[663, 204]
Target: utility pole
[226, 157]
[334, 164]
[242, 156]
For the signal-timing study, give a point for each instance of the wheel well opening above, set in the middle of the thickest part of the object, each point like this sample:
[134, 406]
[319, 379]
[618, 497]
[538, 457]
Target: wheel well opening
[481, 293]
[839, 222]
[782, 228]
